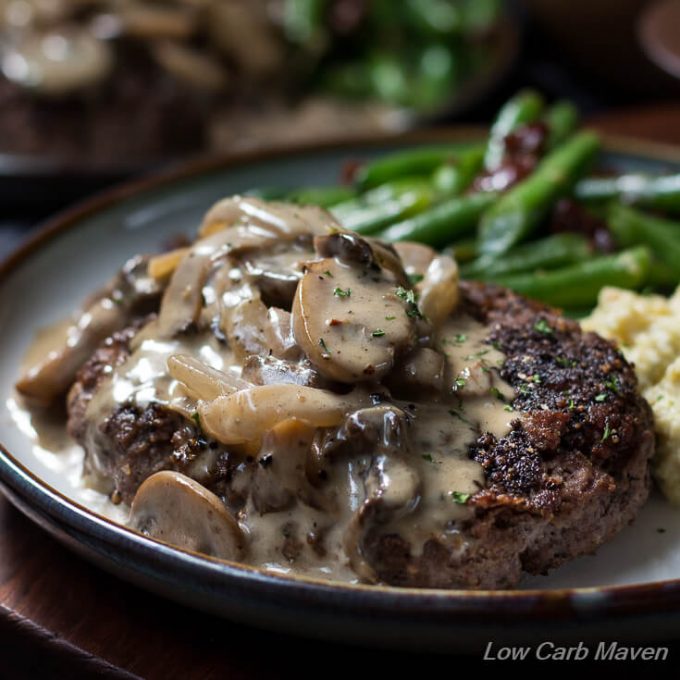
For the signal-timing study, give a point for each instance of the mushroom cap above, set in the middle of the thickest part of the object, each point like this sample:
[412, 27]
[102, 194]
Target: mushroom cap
[175, 509]
[57, 63]
[350, 322]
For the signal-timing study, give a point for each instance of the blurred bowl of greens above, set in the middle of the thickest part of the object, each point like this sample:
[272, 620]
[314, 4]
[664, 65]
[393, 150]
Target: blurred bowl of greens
[112, 86]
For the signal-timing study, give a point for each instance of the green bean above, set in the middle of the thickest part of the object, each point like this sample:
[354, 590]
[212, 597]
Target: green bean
[419, 161]
[451, 179]
[442, 223]
[562, 119]
[323, 196]
[384, 205]
[661, 192]
[632, 227]
[520, 210]
[547, 253]
[578, 285]
[525, 107]
[662, 275]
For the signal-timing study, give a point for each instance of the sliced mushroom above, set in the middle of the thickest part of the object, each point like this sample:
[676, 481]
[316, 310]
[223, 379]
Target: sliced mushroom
[129, 294]
[415, 257]
[246, 324]
[280, 474]
[245, 416]
[191, 66]
[276, 274]
[423, 371]
[58, 63]
[182, 301]
[350, 321]
[149, 21]
[177, 510]
[438, 290]
[375, 429]
[245, 33]
[265, 220]
[354, 250]
[392, 486]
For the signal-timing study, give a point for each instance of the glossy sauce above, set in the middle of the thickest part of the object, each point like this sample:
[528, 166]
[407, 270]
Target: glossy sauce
[425, 486]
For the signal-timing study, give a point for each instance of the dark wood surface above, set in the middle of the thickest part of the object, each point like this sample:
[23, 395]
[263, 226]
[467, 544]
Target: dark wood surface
[62, 617]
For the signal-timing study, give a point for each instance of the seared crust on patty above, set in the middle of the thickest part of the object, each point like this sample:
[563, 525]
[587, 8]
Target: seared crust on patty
[573, 471]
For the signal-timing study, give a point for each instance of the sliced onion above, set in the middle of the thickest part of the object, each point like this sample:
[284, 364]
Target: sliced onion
[247, 415]
[201, 380]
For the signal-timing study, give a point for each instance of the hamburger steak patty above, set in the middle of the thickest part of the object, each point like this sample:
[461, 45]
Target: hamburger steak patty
[570, 474]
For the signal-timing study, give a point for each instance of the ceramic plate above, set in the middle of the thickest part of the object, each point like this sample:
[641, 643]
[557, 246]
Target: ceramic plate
[631, 584]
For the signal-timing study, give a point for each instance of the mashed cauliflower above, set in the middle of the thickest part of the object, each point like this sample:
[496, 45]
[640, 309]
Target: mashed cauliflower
[647, 328]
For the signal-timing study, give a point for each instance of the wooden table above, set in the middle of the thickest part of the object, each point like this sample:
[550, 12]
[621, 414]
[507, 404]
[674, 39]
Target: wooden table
[60, 616]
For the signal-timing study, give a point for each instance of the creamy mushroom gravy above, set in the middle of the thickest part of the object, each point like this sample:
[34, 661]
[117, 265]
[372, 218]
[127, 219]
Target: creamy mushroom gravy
[311, 485]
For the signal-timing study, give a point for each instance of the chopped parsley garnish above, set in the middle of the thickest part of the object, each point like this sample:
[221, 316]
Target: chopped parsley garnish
[572, 405]
[460, 416]
[406, 295]
[460, 497]
[460, 383]
[613, 384]
[378, 333]
[328, 273]
[542, 326]
[409, 297]
[601, 397]
[508, 408]
[196, 418]
[535, 378]
[460, 338]
[325, 352]
[476, 355]
[607, 432]
[565, 362]
[524, 389]
[415, 278]
[497, 393]
[118, 299]
[427, 457]
[390, 318]
[339, 292]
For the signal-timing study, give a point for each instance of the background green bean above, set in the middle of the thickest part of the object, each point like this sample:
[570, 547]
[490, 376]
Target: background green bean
[640, 190]
[562, 119]
[578, 285]
[547, 253]
[443, 223]
[632, 227]
[420, 161]
[525, 107]
[518, 212]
